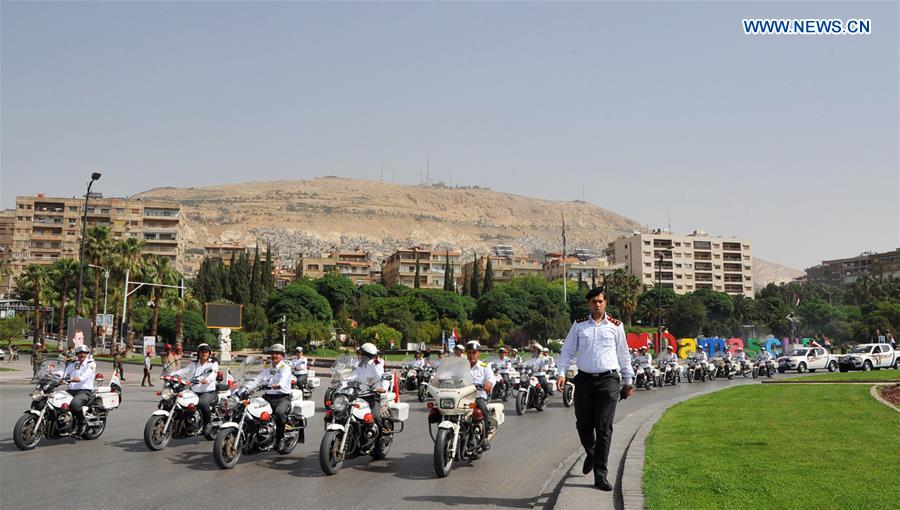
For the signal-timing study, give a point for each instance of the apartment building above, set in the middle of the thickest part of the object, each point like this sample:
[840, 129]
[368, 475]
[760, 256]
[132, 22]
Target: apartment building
[46, 228]
[505, 265]
[400, 267]
[844, 272]
[356, 265]
[686, 263]
[583, 267]
[7, 227]
[224, 252]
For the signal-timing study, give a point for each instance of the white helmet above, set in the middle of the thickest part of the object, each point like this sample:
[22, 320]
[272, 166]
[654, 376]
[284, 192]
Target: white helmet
[299, 349]
[545, 349]
[276, 348]
[368, 349]
[473, 346]
[82, 348]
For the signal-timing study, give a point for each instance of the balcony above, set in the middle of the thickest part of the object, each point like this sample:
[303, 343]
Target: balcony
[703, 266]
[161, 213]
[731, 257]
[731, 246]
[703, 277]
[733, 268]
[702, 245]
[702, 255]
[734, 289]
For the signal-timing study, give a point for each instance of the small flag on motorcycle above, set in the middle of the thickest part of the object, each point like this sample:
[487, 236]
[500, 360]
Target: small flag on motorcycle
[396, 388]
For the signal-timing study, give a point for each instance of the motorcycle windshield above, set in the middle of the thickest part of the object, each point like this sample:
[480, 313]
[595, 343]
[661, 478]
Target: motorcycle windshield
[47, 370]
[249, 369]
[453, 373]
[407, 361]
[343, 367]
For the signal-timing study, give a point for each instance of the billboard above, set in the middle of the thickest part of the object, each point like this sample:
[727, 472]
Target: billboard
[221, 315]
[80, 331]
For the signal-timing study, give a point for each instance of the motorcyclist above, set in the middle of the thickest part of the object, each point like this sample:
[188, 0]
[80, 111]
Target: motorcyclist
[741, 356]
[80, 376]
[419, 362]
[550, 363]
[300, 367]
[764, 355]
[516, 359]
[539, 365]
[369, 371]
[277, 377]
[459, 350]
[701, 356]
[440, 357]
[205, 387]
[669, 356]
[483, 375]
[503, 364]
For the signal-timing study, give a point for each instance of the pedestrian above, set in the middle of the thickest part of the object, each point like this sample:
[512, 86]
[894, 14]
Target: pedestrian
[879, 338]
[169, 360]
[148, 364]
[827, 342]
[119, 362]
[891, 340]
[37, 357]
[598, 347]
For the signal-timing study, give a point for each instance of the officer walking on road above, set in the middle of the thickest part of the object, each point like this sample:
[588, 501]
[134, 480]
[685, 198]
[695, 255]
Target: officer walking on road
[598, 346]
[37, 357]
[118, 362]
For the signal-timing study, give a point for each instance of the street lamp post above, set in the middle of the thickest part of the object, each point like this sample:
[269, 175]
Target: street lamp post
[94, 177]
[105, 293]
[659, 328]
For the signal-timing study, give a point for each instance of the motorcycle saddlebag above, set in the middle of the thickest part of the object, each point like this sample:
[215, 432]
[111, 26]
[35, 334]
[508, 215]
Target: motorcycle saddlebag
[305, 408]
[496, 410]
[399, 410]
[109, 399]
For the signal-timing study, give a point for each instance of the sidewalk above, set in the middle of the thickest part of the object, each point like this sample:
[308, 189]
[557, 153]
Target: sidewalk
[626, 464]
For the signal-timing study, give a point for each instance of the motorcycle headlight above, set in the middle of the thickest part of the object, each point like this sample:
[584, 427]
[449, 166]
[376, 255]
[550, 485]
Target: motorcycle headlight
[340, 404]
[37, 394]
[167, 393]
[446, 403]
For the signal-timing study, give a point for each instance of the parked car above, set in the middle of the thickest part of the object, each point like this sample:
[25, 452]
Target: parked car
[866, 357]
[808, 358]
[2, 355]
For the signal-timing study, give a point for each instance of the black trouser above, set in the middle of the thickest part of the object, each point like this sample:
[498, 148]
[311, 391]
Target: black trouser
[595, 408]
[281, 406]
[302, 379]
[375, 407]
[542, 379]
[79, 399]
[207, 399]
[481, 403]
[121, 368]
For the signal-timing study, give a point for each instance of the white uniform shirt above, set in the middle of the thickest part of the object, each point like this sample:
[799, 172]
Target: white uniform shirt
[669, 358]
[482, 374]
[418, 364]
[503, 365]
[741, 356]
[195, 369]
[368, 372]
[84, 371]
[280, 374]
[763, 355]
[597, 347]
[701, 355]
[300, 365]
[645, 360]
[539, 364]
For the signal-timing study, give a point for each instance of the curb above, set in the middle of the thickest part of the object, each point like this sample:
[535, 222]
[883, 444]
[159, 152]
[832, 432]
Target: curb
[874, 392]
[860, 381]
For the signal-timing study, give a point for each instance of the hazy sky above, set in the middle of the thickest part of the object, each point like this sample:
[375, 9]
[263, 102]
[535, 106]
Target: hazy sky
[653, 110]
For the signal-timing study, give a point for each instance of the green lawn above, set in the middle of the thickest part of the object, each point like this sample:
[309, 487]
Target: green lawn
[775, 446]
[7, 369]
[878, 375]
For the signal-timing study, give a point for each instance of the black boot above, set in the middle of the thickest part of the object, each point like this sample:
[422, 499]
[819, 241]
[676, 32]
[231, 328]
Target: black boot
[601, 482]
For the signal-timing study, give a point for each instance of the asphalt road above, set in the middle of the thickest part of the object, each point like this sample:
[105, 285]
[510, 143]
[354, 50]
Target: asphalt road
[117, 470]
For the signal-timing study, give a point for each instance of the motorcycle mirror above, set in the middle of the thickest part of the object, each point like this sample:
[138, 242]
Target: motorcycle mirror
[387, 377]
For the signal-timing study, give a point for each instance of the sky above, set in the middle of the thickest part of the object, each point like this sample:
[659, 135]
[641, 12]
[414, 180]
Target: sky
[664, 112]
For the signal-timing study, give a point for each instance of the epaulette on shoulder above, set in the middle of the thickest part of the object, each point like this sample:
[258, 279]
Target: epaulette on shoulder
[483, 363]
[615, 321]
[583, 319]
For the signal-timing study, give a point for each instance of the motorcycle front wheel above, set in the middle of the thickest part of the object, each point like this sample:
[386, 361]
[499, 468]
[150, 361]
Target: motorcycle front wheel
[520, 404]
[422, 393]
[25, 435]
[443, 453]
[568, 396]
[225, 450]
[690, 376]
[330, 458]
[155, 436]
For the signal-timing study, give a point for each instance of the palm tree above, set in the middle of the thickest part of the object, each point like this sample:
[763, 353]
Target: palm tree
[126, 259]
[63, 277]
[158, 270]
[33, 284]
[98, 247]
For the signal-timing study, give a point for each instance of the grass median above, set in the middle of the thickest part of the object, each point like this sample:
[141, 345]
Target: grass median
[873, 375]
[775, 446]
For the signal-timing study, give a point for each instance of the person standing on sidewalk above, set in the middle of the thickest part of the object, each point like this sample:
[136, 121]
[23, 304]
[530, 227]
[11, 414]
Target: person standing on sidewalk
[119, 362]
[598, 347]
[148, 364]
[37, 357]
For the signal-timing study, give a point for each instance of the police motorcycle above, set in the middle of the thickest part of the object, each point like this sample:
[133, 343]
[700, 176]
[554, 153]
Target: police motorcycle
[670, 372]
[531, 394]
[425, 377]
[501, 390]
[568, 393]
[312, 382]
[339, 371]
[763, 368]
[696, 369]
[350, 427]
[643, 377]
[408, 376]
[552, 375]
[178, 415]
[249, 423]
[50, 416]
[745, 368]
[461, 428]
[729, 368]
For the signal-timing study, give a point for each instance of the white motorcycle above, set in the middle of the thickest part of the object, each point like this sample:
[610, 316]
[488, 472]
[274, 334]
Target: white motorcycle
[50, 416]
[568, 393]
[249, 422]
[350, 426]
[461, 429]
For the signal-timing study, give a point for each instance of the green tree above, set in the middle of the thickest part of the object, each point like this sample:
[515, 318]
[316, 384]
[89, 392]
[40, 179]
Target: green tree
[241, 280]
[11, 328]
[381, 335]
[98, 249]
[474, 291]
[298, 302]
[488, 277]
[445, 304]
[255, 272]
[159, 271]
[687, 317]
[33, 285]
[63, 276]
[448, 273]
[338, 290]
[254, 318]
[622, 289]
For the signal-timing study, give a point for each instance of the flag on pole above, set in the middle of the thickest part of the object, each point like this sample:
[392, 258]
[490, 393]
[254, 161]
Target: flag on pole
[564, 235]
[796, 299]
[451, 342]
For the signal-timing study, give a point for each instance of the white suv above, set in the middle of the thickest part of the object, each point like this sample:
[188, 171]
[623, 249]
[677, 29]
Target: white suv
[807, 358]
[868, 356]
